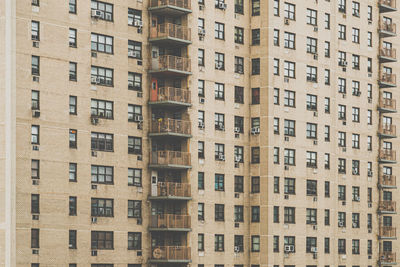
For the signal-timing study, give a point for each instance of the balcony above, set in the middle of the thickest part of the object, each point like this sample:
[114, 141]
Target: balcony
[387, 181]
[387, 105]
[170, 222]
[387, 156]
[387, 55]
[170, 127]
[387, 6]
[170, 191]
[387, 80]
[170, 96]
[171, 254]
[387, 257]
[170, 34]
[170, 160]
[387, 207]
[387, 232]
[170, 7]
[387, 131]
[171, 65]
[386, 29]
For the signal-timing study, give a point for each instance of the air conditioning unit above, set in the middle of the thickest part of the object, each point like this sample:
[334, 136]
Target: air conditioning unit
[356, 13]
[237, 225]
[94, 186]
[35, 217]
[314, 249]
[370, 173]
[315, 56]
[35, 251]
[286, 79]
[93, 54]
[71, 246]
[238, 159]
[255, 130]
[35, 182]
[35, 44]
[96, 80]
[94, 120]
[94, 219]
[315, 29]
[138, 118]
[35, 78]
[315, 199]
[343, 203]
[94, 252]
[315, 227]
[355, 171]
[315, 142]
[369, 100]
[139, 94]
[286, 196]
[94, 153]
[355, 225]
[286, 138]
[289, 248]
[201, 6]
[237, 249]
[237, 129]
[96, 13]
[315, 114]
[286, 21]
[369, 204]
[357, 198]
[218, 65]
[201, 125]
[202, 31]
[221, 157]
[36, 148]
[138, 23]
[221, 126]
[35, 2]
[286, 167]
[139, 221]
[341, 224]
[36, 113]
[202, 100]
[133, 53]
[222, 5]
[237, 195]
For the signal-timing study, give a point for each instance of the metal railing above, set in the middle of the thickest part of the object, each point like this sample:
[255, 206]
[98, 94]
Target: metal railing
[178, 3]
[168, 62]
[169, 221]
[170, 30]
[387, 205]
[171, 253]
[388, 78]
[390, 3]
[387, 231]
[172, 94]
[387, 27]
[387, 154]
[388, 180]
[165, 189]
[388, 52]
[387, 129]
[387, 256]
[170, 157]
[387, 103]
[168, 125]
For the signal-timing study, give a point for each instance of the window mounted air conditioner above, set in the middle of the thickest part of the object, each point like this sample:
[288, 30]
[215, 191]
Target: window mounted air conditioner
[138, 23]
[201, 125]
[36, 113]
[138, 118]
[202, 100]
[286, 21]
[238, 158]
[237, 129]
[255, 130]
[202, 31]
[35, 182]
[355, 225]
[341, 224]
[370, 173]
[218, 65]
[221, 157]
[314, 249]
[237, 249]
[222, 5]
[96, 13]
[94, 219]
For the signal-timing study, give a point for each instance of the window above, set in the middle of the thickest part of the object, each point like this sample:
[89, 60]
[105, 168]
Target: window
[135, 81]
[289, 98]
[200, 211]
[102, 43]
[311, 45]
[135, 49]
[355, 193]
[135, 177]
[289, 214]
[311, 159]
[290, 40]
[255, 66]
[72, 239]
[219, 212]
[219, 182]
[134, 113]
[35, 203]
[219, 121]
[102, 207]
[255, 243]
[200, 55]
[311, 17]
[134, 16]
[289, 156]
[72, 172]
[255, 214]
[289, 241]
[34, 238]
[341, 84]
[311, 187]
[72, 6]
[355, 140]
[200, 87]
[276, 8]
[35, 98]
[102, 174]
[35, 3]
[255, 155]
[276, 96]
[289, 11]
[276, 125]
[102, 240]
[35, 65]
[289, 186]
[200, 149]
[72, 206]
[341, 112]
[239, 94]
[35, 30]
[311, 102]
[355, 217]
[238, 124]
[327, 49]
[327, 188]
[276, 37]
[327, 217]
[73, 71]
[102, 141]
[35, 166]
[219, 243]
[369, 117]
[255, 7]
[102, 109]
[276, 184]
[356, 9]
[219, 31]
[239, 184]
[327, 21]
[239, 65]
[327, 245]
[327, 77]
[276, 214]
[369, 39]
[255, 96]
[135, 241]
[105, 8]
[356, 35]
[356, 62]
[219, 91]
[311, 243]
[342, 219]
[134, 145]
[238, 213]
[311, 73]
[341, 192]
[255, 36]
[35, 129]
[342, 6]
[369, 143]
[311, 216]
[289, 69]
[255, 184]
[276, 66]
[200, 242]
[342, 32]
[289, 127]
[327, 163]
[239, 34]
[355, 246]
[356, 114]
[276, 155]
[102, 76]
[219, 61]
[341, 165]
[72, 38]
[239, 6]
[72, 105]
[238, 242]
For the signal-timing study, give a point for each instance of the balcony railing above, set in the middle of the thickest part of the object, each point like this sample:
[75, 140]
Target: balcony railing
[387, 129]
[170, 158]
[176, 3]
[387, 256]
[172, 253]
[169, 221]
[387, 103]
[388, 53]
[388, 180]
[172, 63]
[167, 189]
[387, 155]
[171, 94]
[169, 30]
[387, 27]
[165, 126]
[387, 232]
[387, 206]
[389, 78]
[389, 4]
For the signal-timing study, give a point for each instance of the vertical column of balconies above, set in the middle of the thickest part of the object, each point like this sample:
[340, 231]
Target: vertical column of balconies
[170, 132]
[387, 131]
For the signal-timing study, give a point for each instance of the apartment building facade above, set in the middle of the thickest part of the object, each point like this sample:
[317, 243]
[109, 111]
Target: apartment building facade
[204, 133]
